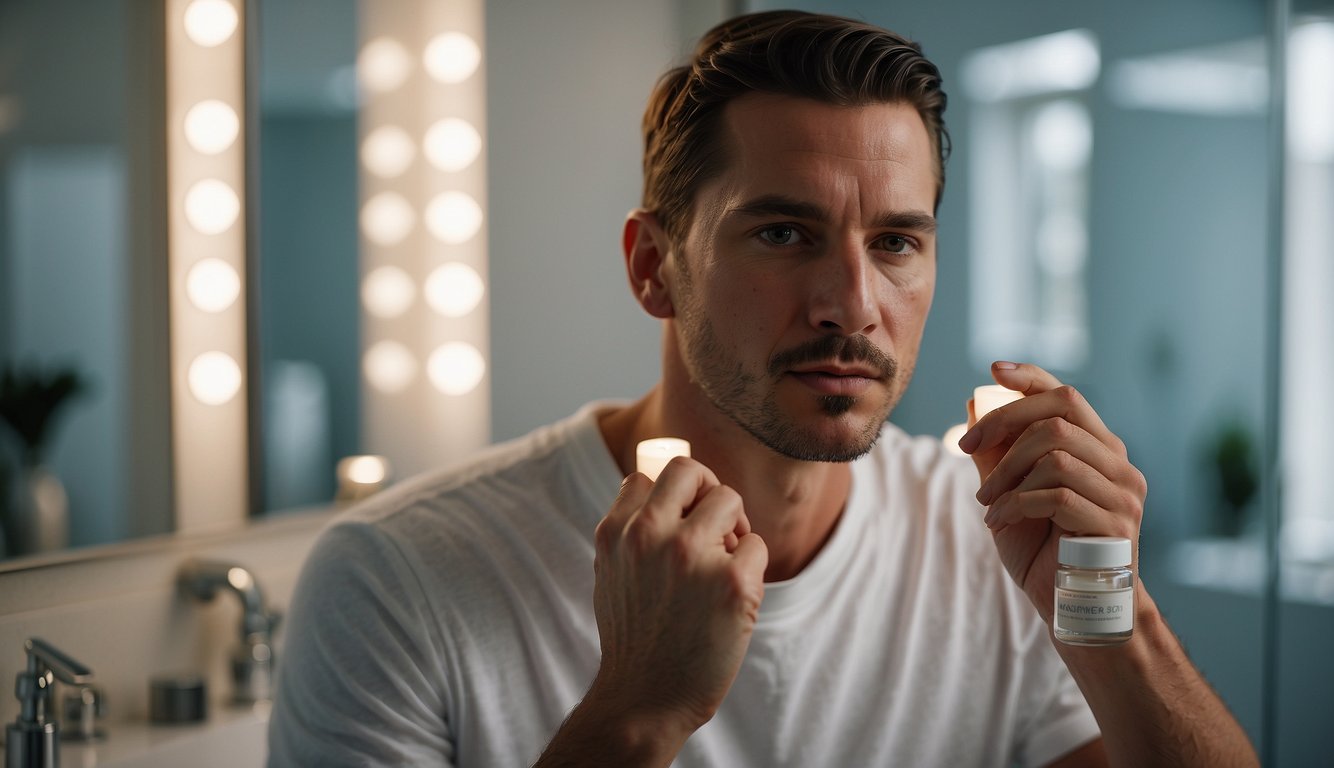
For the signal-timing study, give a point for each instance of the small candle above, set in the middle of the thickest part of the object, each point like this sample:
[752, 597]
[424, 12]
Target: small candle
[651, 456]
[989, 397]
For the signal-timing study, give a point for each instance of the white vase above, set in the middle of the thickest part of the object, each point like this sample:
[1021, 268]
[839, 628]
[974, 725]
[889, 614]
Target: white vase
[41, 512]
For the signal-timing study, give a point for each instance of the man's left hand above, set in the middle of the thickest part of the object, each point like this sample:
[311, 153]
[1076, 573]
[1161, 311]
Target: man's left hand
[1050, 467]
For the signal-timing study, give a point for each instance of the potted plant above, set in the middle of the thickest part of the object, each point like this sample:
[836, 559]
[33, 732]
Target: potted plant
[30, 399]
[1231, 453]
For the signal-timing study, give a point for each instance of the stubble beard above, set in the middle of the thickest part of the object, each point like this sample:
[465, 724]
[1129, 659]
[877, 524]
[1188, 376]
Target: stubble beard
[745, 398]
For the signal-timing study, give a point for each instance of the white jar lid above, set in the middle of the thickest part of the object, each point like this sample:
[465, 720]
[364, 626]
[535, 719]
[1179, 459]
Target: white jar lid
[1094, 551]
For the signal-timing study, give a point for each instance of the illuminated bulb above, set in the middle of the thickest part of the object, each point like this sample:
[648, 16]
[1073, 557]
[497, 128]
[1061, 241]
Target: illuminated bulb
[454, 289]
[452, 144]
[215, 378]
[453, 217]
[452, 57]
[387, 151]
[952, 437]
[383, 65]
[387, 292]
[389, 367]
[366, 470]
[211, 206]
[212, 285]
[387, 218]
[652, 456]
[360, 476]
[210, 22]
[211, 127]
[989, 397]
[456, 368]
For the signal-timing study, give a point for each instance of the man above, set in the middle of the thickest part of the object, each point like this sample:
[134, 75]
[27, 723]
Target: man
[813, 587]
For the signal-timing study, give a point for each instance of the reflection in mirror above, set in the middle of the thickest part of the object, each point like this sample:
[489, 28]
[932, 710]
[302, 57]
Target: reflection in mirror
[82, 273]
[308, 329]
[398, 87]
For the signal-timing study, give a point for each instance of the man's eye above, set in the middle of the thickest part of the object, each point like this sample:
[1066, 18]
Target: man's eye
[896, 244]
[781, 235]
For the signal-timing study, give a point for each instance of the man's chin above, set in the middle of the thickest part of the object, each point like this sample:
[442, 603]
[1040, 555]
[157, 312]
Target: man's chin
[838, 439]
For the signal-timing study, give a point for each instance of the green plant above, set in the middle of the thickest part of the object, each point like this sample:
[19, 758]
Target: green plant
[30, 398]
[1232, 455]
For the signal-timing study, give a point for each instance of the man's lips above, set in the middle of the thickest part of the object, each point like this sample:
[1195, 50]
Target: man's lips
[836, 380]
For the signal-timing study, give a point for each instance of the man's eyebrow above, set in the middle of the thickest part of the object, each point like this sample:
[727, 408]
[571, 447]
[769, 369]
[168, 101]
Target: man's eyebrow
[778, 205]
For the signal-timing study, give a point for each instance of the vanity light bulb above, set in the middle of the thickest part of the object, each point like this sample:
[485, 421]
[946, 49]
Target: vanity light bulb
[454, 289]
[214, 378]
[453, 217]
[452, 144]
[383, 65]
[452, 57]
[210, 22]
[387, 151]
[212, 285]
[211, 206]
[389, 367]
[211, 127]
[456, 368]
[387, 218]
[387, 292]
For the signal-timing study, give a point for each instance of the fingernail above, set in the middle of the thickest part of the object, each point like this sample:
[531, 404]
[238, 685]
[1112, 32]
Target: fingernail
[968, 443]
[1004, 365]
[991, 516]
[984, 494]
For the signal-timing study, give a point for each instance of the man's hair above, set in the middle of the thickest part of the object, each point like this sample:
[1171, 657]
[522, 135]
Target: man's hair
[792, 53]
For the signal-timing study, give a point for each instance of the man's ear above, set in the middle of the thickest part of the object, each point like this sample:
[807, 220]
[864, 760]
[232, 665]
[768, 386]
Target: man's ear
[646, 248]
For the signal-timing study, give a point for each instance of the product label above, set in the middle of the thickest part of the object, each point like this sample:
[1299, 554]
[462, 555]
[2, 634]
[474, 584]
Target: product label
[1095, 612]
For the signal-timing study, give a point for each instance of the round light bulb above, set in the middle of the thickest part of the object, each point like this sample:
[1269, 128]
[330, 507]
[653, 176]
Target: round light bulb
[453, 217]
[387, 292]
[365, 470]
[456, 368]
[387, 218]
[214, 378]
[211, 127]
[383, 65]
[452, 144]
[211, 206]
[210, 22]
[389, 366]
[387, 151]
[454, 289]
[212, 285]
[451, 57]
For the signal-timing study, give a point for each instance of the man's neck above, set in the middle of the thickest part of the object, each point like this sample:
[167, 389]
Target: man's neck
[793, 505]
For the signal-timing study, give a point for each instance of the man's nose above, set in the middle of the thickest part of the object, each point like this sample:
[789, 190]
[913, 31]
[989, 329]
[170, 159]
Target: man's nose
[842, 298]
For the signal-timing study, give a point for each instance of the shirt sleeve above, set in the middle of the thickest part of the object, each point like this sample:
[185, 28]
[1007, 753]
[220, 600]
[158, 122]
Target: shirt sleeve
[359, 680]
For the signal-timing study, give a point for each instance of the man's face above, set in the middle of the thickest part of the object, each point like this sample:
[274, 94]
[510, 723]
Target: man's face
[806, 275]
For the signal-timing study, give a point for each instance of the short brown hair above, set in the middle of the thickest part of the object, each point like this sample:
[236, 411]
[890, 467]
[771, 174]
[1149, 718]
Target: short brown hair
[827, 58]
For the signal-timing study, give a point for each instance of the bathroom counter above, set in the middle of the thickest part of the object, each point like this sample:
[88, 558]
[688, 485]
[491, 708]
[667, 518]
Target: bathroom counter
[232, 737]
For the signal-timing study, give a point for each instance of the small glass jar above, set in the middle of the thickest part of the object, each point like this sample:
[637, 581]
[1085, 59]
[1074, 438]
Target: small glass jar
[1095, 591]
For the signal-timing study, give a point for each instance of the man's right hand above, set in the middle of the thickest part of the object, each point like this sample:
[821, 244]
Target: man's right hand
[679, 580]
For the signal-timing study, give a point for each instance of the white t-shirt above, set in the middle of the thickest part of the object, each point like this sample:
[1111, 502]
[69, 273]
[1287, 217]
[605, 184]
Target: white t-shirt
[449, 621]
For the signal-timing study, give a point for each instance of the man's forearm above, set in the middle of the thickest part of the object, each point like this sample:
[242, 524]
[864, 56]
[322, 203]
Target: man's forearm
[1153, 706]
[599, 732]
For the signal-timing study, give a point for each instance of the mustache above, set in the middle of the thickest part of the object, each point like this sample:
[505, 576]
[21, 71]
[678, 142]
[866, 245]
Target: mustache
[846, 349]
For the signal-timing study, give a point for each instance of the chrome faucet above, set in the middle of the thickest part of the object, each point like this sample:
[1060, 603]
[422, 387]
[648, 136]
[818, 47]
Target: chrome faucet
[31, 741]
[252, 662]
